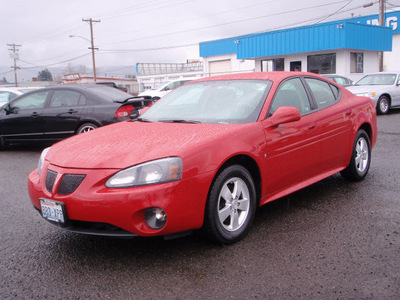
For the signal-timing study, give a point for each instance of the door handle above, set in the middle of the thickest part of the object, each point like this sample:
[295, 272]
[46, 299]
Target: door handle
[35, 114]
[71, 111]
[312, 126]
[348, 112]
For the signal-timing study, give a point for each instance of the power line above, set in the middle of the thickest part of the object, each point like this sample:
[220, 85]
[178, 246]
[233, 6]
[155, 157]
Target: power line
[227, 23]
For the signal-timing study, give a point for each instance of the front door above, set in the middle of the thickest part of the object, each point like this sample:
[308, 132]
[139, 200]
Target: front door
[22, 119]
[292, 149]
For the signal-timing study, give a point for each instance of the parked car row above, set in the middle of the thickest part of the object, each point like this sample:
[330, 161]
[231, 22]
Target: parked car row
[383, 88]
[55, 113]
[165, 88]
[204, 157]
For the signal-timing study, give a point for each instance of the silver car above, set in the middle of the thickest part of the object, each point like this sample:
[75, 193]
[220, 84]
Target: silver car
[383, 88]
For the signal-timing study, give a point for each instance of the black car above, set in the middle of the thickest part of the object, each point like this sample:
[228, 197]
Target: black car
[54, 113]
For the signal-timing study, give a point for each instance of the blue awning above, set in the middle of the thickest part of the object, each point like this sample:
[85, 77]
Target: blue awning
[320, 37]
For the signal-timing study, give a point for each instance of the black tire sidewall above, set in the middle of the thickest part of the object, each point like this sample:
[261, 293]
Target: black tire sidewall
[352, 172]
[378, 107]
[214, 229]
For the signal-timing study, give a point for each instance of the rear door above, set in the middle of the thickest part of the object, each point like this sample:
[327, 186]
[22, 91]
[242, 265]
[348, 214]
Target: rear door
[63, 114]
[334, 124]
[23, 119]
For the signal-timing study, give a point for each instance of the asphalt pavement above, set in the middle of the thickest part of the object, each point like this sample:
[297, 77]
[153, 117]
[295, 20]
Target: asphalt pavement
[333, 240]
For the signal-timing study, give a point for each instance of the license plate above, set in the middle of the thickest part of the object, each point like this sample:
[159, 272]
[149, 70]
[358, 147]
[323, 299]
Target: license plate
[52, 210]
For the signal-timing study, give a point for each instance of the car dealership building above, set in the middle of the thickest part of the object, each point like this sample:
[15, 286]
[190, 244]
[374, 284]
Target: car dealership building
[347, 47]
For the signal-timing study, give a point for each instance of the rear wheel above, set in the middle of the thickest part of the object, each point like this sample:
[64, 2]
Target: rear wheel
[86, 128]
[383, 105]
[231, 206]
[360, 158]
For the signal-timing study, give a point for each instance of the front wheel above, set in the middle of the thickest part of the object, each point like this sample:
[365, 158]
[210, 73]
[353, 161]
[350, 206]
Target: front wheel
[231, 206]
[360, 158]
[383, 105]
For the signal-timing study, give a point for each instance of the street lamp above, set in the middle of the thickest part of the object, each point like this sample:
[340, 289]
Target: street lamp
[92, 48]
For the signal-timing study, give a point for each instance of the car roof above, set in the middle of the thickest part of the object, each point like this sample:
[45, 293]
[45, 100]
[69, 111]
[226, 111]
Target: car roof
[272, 76]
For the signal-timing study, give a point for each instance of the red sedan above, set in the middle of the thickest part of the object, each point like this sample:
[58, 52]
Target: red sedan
[206, 156]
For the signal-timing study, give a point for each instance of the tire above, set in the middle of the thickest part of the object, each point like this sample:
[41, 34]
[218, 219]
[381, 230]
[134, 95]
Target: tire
[231, 206]
[2, 144]
[383, 105]
[86, 128]
[360, 158]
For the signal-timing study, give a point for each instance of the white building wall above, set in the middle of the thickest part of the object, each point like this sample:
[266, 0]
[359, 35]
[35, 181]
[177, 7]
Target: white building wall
[391, 60]
[342, 62]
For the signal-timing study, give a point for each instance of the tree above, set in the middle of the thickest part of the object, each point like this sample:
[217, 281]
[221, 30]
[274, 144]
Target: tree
[45, 75]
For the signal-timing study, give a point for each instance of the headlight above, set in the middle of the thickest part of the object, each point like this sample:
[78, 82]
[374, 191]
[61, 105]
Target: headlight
[41, 159]
[367, 94]
[153, 172]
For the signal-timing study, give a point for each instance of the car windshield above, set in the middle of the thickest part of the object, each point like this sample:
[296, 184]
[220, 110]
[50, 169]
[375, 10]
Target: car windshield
[377, 79]
[211, 102]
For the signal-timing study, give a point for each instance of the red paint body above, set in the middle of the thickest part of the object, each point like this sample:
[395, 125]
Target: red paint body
[288, 157]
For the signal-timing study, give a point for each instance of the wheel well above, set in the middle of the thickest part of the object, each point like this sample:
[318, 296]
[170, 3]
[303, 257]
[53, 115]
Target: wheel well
[367, 128]
[248, 163]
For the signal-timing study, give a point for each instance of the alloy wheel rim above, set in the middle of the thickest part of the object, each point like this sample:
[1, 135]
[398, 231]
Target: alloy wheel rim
[384, 105]
[87, 129]
[362, 155]
[233, 204]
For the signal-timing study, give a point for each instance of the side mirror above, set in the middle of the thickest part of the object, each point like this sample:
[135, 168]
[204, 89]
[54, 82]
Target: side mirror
[284, 114]
[8, 109]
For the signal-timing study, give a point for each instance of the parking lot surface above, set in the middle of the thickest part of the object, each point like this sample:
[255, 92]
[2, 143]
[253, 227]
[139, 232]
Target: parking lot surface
[334, 239]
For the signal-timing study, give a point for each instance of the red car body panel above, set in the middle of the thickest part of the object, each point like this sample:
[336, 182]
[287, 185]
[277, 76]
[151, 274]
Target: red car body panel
[288, 157]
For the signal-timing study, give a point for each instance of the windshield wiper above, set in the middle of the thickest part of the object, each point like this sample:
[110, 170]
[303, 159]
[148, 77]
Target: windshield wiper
[180, 121]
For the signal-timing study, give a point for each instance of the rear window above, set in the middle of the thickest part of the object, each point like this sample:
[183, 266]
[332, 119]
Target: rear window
[108, 94]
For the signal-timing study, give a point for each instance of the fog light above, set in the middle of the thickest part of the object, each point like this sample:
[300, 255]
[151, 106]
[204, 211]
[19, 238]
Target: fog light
[155, 217]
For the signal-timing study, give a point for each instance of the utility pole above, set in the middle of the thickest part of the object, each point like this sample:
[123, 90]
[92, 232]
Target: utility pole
[381, 23]
[15, 56]
[90, 21]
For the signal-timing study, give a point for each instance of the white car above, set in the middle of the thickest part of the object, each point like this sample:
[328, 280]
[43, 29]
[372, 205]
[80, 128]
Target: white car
[166, 88]
[9, 93]
[382, 87]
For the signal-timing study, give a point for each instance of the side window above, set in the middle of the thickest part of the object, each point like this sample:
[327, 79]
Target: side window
[4, 96]
[65, 98]
[31, 101]
[323, 93]
[291, 93]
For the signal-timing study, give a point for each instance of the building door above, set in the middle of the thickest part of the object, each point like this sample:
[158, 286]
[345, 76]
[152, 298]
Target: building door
[220, 67]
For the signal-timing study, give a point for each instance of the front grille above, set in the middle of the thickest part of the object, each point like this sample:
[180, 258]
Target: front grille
[70, 183]
[50, 178]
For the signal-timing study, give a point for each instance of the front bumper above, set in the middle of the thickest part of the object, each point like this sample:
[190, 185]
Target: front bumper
[94, 209]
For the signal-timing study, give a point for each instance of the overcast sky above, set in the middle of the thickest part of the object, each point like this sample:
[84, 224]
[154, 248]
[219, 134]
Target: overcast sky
[134, 31]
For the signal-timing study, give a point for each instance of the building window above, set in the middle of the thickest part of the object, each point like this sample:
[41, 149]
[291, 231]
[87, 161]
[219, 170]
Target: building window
[356, 62]
[322, 63]
[277, 64]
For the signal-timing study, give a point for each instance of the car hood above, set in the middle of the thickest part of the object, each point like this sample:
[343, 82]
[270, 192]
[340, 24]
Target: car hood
[368, 88]
[126, 144]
